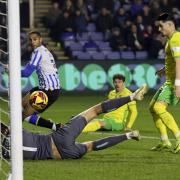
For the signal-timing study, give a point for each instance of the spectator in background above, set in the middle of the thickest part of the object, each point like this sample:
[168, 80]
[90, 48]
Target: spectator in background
[80, 22]
[146, 16]
[126, 29]
[176, 13]
[135, 39]
[136, 7]
[52, 15]
[120, 17]
[65, 23]
[140, 23]
[116, 40]
[147, 34]
[68, 7]
[80, 4]
[109, 5]
[166, 6]
[51, 18]
[104, 21]
[156, 45]
[154, 9]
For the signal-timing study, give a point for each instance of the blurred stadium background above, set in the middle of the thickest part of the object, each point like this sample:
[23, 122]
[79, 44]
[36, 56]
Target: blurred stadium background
[91, 41]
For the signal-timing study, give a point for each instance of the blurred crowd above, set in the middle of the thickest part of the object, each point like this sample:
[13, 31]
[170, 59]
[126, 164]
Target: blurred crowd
[126, 24]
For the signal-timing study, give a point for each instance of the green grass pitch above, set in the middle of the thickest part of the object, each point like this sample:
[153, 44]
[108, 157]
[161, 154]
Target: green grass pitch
[128, 160]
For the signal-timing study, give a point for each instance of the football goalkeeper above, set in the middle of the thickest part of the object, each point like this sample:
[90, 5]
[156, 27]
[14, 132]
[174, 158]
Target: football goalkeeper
[61, 143]
[120, 119]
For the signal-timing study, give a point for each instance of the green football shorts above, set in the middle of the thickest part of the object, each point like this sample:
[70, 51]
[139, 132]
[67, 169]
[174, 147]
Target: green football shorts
[166, 93]
[112, 125]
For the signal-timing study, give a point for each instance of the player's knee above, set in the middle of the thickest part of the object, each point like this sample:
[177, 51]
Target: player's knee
[158, 108]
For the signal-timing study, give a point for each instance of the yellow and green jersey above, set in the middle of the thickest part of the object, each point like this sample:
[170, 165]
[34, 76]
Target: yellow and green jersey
[121, 114]
[172, 51]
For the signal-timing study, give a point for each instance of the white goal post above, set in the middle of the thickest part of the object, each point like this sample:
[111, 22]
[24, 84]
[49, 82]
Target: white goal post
[15, 89]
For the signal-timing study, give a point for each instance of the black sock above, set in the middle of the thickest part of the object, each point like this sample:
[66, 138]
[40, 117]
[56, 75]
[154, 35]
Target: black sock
[113, 104]
[108, 142]
[45, 123]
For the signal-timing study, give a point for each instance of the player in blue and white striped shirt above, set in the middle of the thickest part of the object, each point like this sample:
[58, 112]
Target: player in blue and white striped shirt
[42, 61]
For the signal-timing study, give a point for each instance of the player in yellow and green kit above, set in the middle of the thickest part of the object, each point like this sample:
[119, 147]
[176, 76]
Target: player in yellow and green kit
[169, 93]
[116, 120]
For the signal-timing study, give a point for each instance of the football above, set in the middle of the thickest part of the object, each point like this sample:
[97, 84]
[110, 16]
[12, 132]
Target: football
[38, 100]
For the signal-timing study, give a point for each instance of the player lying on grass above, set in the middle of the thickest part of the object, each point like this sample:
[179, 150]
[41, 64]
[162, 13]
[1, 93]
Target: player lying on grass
[61, 144]
[120, 119]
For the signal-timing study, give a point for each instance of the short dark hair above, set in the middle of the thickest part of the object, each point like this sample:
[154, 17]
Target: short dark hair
[119, 76]
[165, 17]
[35, 32]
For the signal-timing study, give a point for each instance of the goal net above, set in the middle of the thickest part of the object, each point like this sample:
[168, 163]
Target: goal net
[11, 163]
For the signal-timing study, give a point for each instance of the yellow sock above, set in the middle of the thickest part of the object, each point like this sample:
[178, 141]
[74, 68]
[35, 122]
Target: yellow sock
[160, 126]
[167, 118]
[92, 126]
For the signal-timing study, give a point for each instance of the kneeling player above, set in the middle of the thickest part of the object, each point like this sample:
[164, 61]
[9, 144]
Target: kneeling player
[122, 118]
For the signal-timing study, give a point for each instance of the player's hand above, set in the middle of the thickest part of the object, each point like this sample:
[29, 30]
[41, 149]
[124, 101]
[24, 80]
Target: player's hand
[160, 72]
[177, 91]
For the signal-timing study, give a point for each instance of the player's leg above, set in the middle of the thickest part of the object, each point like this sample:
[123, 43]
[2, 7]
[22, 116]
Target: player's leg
[160, 109]
[111, 141]
[94, 125]
[113, 104]
[78, 123]
[31, 115]
[164, 141]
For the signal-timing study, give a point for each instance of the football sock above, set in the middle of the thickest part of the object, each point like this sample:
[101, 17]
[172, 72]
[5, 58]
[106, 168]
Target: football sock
[92, 126]
[167, 118]
[32, 119]
[160, 126]
[39, 121]
[113, 104]
[108, 142]
[46, 123]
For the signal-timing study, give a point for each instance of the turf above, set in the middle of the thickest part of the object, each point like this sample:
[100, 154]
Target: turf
[128, 160]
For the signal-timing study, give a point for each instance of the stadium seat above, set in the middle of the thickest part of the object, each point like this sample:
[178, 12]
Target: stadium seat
[83, 55]
[106, 52]
[76, 46]
[68, 43]
[127, 55]
[113, 55]
[82, 36]
[75, 53]
[90, 46]
[91, 27]
[68, 36]
[141, 54]
[98, 56]
[97, 36]
[104, 46]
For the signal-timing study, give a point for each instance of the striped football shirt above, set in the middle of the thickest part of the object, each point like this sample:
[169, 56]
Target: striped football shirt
[46, 69]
